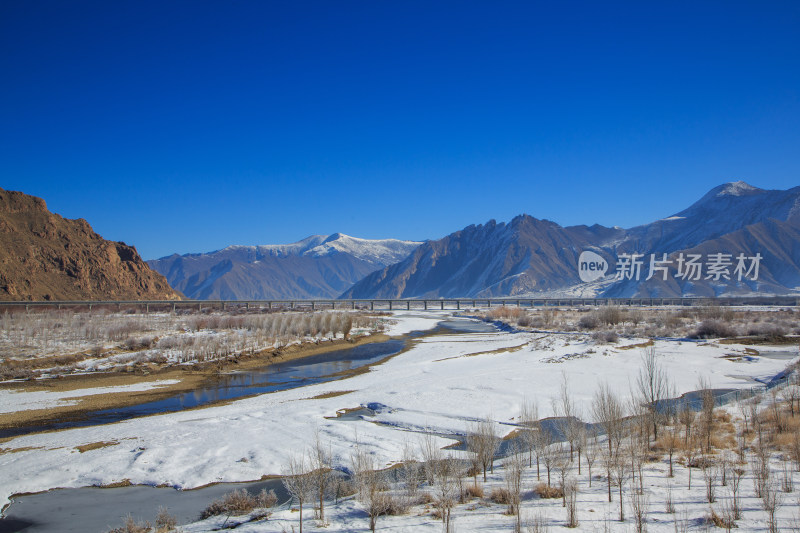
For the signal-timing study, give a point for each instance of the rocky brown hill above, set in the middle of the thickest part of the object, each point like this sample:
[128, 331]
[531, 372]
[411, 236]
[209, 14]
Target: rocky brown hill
[44, 256]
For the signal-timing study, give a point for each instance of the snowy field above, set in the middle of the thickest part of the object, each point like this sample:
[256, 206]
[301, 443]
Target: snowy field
[440, 384]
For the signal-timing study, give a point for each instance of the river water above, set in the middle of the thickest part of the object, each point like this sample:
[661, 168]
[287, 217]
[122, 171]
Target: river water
[90, 509]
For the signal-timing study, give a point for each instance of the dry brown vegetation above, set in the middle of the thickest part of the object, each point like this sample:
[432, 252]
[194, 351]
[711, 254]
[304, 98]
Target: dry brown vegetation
[240, 502]
[58, 342]
[607, 323]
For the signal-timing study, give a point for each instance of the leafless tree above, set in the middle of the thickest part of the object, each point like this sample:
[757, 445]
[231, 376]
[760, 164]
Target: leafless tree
[736, 480]
[571, 495]
[692, 450]
[652, 387]
[569, 422]
[707, 412]
[771, 500]
[563, 468]
[640, 504]
[513, 467]
[483, 442]
[298, 482]
[709, 477]
[609, 412]
[671, 443]
[371, 487]
[529, 420]
[411, 471]
[590, 450]
[621, 472]
[320, 462]
[686, 415]
[446, 474]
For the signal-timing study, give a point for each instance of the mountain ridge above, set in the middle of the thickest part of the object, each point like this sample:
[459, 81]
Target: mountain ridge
[540, 257]
[44, 256]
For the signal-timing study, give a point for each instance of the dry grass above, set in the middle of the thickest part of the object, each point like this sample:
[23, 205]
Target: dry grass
[544, 491]
[473, 491]
[240, 502]
[500, 496]
[96, 445]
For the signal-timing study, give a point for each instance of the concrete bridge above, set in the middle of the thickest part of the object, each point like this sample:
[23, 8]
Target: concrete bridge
[401, 304]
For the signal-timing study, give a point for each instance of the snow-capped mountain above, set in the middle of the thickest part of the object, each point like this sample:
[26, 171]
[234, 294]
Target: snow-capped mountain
[319, 266]
[537, 257]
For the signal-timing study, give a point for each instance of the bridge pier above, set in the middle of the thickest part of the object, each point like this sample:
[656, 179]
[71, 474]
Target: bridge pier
[408, 305]
[442, 302]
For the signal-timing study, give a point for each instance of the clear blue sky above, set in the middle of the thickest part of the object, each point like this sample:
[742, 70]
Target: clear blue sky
[188, 126]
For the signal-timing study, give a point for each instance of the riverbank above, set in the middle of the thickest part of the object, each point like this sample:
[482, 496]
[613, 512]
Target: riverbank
[125, 389]
[441, 383]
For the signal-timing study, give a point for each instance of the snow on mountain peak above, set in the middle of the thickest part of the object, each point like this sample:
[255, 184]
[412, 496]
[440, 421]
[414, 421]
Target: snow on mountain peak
[737, 188]
[385, 251]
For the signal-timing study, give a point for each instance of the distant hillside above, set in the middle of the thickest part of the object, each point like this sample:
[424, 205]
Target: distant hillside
[320, 266]
[44, 256]
[537, 257]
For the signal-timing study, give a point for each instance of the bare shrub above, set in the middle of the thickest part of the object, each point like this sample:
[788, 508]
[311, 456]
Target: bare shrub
[605, 336]
[500, 495]
[474, 491]
[712, 329]
[546, 492]
[131, 526]
[167, 522]
[537, 524]
[239, 502]
[589, 321]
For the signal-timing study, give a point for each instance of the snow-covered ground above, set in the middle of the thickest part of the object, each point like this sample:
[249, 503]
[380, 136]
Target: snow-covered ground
[12, 401]
[441, 383]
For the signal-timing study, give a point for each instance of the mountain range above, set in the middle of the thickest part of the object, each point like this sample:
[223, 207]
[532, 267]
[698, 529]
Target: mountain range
[532, 257]
[735, 240]
[320, 266]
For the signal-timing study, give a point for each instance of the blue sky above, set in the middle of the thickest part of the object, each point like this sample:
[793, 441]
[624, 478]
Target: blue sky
[187, 126]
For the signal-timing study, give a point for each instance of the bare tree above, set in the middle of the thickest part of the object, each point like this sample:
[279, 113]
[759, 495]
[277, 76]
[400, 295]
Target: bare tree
[571, 495]
[514, 465]
[707, 412]
[590, 450]
[371, 487]
[691, 452]
[686, 415]
[320, 462]
[771, 500]
[446, 474]
[529, 420]
[410, 471]
[653, 387]
[736, 479]
[568, 420]
[609, 412]
[298, 482]
[620, 471]
[671, 443]
[483, 443]
[640, 504]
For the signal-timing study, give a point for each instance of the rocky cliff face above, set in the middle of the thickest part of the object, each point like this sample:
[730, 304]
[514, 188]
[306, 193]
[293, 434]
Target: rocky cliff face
[44, 256]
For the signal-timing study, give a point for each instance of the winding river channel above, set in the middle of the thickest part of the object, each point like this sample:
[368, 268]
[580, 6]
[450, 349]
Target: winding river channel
[92, 509]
